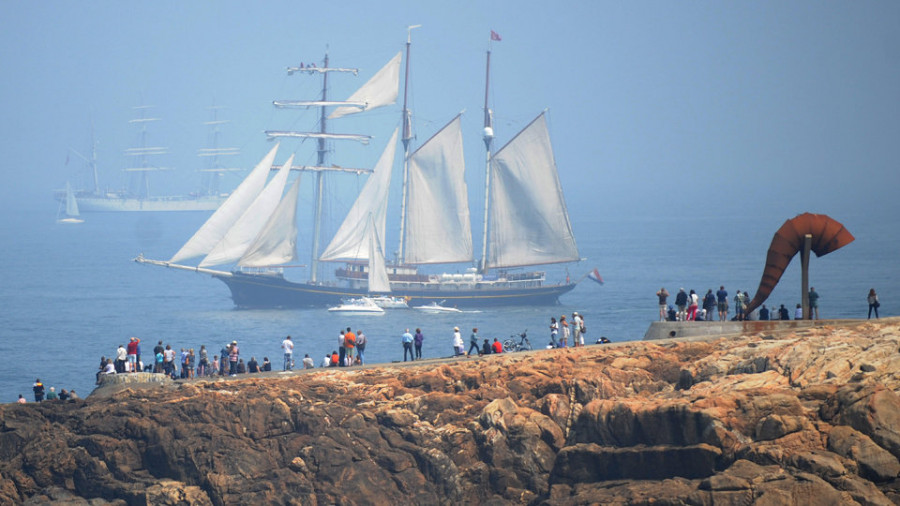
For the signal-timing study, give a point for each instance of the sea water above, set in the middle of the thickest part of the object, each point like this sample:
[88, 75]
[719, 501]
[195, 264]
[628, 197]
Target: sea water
[71, 293]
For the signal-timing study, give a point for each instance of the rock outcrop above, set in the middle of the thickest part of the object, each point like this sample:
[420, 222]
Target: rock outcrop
[808, 416]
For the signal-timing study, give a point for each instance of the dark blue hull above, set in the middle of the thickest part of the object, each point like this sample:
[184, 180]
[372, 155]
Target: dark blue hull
[260, 291]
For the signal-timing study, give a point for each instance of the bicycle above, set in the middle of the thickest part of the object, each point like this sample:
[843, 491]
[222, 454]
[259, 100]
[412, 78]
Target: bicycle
[523, 344]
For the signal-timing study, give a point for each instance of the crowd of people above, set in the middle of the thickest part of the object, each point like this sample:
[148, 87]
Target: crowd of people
[42, 394]
[689, 306]
[165, 360]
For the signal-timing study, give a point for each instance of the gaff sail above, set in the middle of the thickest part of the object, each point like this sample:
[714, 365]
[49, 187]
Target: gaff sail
[529, 223]
[437, 227]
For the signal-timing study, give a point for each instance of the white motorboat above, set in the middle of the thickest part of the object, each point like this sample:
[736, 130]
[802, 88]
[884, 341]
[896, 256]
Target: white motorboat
[436, 307]
[362, 305]
[388, 302]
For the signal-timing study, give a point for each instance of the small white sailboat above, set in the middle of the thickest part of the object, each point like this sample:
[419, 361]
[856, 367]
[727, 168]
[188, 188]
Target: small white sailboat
[362, 305]
[70, 213]
[436, 307]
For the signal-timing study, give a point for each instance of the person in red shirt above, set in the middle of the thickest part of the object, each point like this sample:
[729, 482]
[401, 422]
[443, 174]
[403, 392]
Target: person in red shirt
[497, 346]
[132, 354]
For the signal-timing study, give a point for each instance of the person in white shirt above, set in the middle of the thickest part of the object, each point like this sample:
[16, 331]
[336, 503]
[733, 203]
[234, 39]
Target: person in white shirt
[288, 346]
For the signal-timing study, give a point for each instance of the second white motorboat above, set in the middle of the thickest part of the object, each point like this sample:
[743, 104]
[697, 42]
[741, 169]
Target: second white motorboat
[436, 307]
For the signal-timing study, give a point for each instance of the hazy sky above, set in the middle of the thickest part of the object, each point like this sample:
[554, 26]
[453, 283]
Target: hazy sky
[656, 108]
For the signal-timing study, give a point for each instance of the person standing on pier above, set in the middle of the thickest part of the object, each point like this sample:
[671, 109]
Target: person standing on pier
[722, 301]
[407, 340]
[288, 346]
[418, 339]
[813, 304]
[473, 342]
[872, 299]
[663, 294]
[360, 346]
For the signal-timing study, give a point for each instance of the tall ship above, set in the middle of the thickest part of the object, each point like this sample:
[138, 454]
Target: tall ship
[139, 195]
[526, 223]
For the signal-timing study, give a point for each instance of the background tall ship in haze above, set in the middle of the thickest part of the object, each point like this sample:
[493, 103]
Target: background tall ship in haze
[138, 195]
[525, 218]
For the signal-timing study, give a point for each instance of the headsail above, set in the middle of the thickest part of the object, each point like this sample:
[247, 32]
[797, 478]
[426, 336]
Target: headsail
[276, 244]
[215, 228]
[437, 227]
[529, 223]
[349, 243]
[382, 89]
[241, 235]
[378, 277]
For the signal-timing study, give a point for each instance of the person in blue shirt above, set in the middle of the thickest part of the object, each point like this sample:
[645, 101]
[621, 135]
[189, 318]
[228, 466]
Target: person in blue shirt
[407, 345]
[722, 301]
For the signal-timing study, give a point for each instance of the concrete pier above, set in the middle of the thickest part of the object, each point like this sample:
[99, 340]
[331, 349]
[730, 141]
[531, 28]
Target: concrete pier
[668, 330]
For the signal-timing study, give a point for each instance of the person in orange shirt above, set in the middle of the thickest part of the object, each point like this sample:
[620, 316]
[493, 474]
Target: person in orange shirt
[350, 345]
[497, 346]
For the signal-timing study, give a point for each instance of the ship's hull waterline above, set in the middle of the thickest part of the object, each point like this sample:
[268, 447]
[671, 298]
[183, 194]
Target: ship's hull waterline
[259, 291]
[105, 205]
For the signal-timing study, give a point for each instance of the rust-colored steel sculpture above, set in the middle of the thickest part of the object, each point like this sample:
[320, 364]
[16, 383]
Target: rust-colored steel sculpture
[827, 236]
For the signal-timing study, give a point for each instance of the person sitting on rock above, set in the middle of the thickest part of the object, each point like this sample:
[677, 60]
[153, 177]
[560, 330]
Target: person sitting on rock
[498, 346]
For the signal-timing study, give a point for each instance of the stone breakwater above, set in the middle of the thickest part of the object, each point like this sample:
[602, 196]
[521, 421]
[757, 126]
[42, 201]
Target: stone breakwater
[808, 416]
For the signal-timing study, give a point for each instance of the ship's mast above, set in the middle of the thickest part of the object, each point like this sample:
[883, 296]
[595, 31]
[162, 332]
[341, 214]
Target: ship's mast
[320, 182]
[407, 136]
[321, 137]
[94, 161]
[214, 169]
[488, 140]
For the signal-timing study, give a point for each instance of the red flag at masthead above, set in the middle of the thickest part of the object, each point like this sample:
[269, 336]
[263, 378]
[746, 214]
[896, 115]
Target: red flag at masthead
[495, 36]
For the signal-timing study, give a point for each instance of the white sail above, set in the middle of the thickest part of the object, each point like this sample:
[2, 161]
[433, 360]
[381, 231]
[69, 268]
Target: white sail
[215, 228]
[382, 89]
[378, 276]
[276, 244]
[349, 243]
[71, 202]
[529, 223]
[437, 226]
[247, 227]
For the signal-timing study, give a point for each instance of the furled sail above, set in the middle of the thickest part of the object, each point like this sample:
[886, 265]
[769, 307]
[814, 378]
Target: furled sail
[71, 202]
[349, 243]
[276, 244]
[247, 227]
[529, 223]
[215, 228]
[382, 89]
[378, 277]
[437, 223]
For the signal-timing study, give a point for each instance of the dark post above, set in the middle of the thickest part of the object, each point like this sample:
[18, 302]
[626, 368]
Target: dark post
[804, 274]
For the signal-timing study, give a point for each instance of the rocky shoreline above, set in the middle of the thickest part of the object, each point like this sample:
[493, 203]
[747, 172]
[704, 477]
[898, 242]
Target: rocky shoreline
[804, 416]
